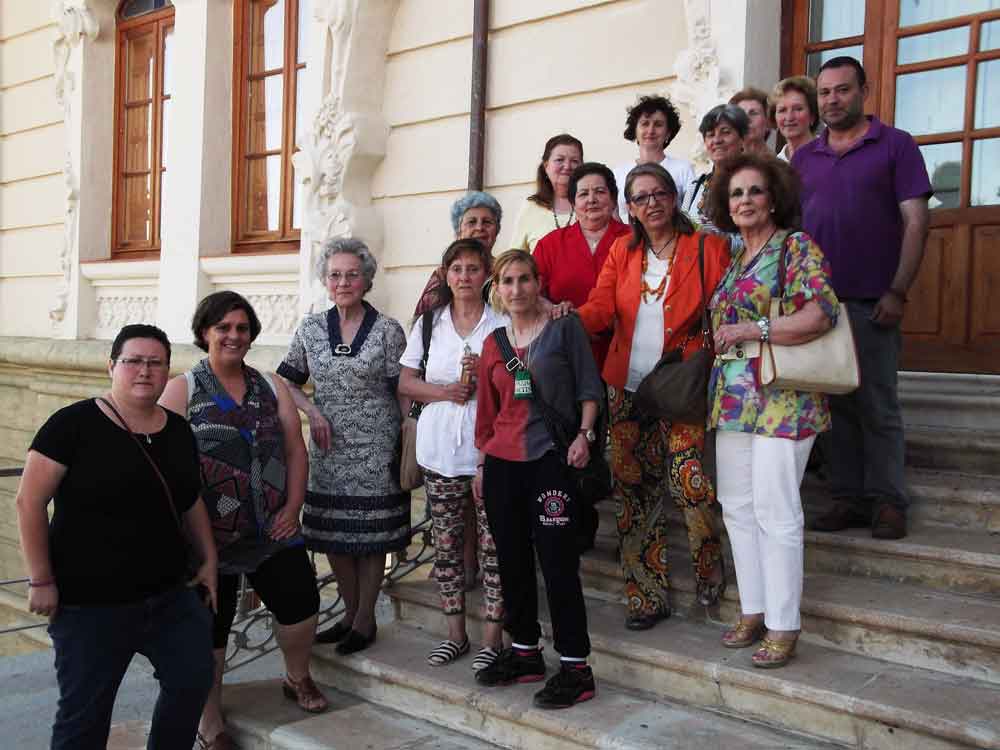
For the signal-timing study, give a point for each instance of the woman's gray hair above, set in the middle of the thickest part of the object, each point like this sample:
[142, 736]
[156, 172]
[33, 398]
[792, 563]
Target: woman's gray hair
[349, 246]
[474, 199]
[732, 114]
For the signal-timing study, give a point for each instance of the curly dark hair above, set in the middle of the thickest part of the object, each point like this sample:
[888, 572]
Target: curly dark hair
[545, 194]
[782, 184]
[214, 308]
[593, 167]
[647, 105]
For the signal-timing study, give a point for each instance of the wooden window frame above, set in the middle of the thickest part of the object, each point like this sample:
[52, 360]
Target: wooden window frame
[881, 41]
[286, 239]
[162, 20]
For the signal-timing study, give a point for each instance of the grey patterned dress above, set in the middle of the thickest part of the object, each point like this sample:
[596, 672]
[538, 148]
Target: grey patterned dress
[354, 505]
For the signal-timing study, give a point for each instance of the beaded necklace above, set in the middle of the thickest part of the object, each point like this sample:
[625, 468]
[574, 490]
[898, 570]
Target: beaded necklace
[555, 216]
[659, 291]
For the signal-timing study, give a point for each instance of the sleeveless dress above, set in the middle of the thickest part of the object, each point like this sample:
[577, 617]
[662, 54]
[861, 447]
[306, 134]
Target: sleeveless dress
[242, 453]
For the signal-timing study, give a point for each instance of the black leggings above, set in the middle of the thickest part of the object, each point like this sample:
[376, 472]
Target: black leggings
[532, 511]
[286, 584]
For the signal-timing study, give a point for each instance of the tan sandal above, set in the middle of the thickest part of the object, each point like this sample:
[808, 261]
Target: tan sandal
[773, 653]
[305, 693]
[743, 634]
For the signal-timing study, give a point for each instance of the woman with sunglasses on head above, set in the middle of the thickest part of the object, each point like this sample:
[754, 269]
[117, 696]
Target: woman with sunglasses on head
[253, 468]
[650, 292]
[111, 569]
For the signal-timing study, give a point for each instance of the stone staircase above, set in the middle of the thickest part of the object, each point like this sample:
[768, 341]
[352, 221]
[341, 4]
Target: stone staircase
[900, 645]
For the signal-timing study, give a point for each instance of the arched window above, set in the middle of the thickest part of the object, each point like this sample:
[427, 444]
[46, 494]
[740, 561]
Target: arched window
[142, 102]
[270, 60]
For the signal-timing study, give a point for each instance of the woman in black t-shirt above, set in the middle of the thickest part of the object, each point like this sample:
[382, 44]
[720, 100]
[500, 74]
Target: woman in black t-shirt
[110, 570]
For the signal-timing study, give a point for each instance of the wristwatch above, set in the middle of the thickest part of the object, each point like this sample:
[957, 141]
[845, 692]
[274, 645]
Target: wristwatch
[764, 324]
[589, 434]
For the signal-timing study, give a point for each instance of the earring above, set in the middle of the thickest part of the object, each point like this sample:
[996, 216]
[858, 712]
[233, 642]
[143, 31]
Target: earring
[772, 209]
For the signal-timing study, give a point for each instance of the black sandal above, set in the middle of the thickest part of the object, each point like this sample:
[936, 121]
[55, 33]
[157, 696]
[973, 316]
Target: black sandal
[335, 634]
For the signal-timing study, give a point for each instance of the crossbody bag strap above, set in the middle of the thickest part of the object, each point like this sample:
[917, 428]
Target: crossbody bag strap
[706, 331]
[514, 363]
[426, 330]
[782, 270]
[166, 488]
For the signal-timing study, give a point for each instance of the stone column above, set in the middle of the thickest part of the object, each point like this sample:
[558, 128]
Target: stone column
[196, 210]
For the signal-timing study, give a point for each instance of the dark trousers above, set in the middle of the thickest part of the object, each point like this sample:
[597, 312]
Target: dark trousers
[531, 511]
[867, 449]
[94, 645]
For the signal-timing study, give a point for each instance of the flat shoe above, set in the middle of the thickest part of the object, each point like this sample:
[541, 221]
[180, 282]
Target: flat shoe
[447, 652]
[644, 621]
[305, 693]
[355, 642]
[743, 634]
[334, 634]
[773, 654]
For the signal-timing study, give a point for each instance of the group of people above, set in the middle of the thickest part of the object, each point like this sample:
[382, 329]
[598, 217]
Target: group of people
[522, 363]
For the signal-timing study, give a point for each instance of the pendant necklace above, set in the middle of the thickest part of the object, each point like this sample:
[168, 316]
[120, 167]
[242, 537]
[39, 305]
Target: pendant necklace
[555, 216]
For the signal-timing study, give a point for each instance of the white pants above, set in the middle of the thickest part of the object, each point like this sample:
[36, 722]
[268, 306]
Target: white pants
[758, 488]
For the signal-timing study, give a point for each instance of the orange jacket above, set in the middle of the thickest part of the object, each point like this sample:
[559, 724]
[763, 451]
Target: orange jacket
[615, 299]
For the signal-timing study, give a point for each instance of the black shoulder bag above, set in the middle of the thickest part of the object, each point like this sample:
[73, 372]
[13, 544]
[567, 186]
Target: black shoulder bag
[677, 388]
[593, 482]
[411, 476]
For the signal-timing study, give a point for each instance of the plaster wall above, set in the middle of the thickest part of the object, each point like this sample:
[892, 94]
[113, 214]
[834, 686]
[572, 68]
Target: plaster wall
[32, 137]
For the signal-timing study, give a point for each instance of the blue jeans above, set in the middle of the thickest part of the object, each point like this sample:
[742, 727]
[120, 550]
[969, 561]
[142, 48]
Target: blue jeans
[867, 442]
[94, 645]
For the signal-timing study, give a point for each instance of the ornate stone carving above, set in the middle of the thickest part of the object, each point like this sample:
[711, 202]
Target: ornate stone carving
[278, 313]
[337, 17]
[113, 312]
[699, 74]
[75, 21]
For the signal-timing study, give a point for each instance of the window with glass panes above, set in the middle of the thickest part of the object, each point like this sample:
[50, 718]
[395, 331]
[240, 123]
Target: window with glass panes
[270, 60]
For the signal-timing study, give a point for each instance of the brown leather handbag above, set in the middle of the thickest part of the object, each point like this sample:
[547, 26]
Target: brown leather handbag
[677, 388]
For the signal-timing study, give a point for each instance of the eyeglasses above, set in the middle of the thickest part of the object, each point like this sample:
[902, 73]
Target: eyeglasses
[350, 277]
[754, 191]
[137, 363]
[643, 199]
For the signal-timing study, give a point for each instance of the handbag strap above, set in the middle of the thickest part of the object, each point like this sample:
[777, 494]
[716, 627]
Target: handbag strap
[782, 270]
[426, 329]
[513, 363]
[166, 488]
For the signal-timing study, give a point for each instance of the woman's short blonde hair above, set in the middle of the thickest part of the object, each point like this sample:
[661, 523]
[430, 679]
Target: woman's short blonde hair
[500, 264]
[805, 86]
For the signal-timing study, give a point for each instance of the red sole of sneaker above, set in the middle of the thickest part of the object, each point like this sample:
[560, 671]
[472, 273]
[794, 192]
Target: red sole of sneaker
[529, 678]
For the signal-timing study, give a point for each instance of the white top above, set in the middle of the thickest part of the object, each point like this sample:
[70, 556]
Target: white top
[647, 338]
[680, 169]
[446, 431]
[783, 154]
[534, 222]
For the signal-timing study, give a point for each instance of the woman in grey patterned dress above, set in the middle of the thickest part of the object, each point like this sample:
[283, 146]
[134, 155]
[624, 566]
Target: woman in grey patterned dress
[355, 511]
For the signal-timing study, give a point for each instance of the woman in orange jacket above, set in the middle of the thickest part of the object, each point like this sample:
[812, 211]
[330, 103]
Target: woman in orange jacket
[650, 293]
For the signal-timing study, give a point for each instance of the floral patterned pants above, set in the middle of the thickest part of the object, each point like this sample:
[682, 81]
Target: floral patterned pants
[649, 460]
[448, 498]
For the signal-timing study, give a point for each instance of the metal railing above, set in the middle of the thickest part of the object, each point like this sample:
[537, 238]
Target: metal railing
[252, 635]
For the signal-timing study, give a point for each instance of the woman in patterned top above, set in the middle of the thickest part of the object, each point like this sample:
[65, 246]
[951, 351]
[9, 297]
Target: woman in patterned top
[765, 434]
[723, 129]
[355, 510]
[253, 480]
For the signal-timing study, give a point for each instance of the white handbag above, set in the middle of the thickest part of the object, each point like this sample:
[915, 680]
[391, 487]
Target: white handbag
[827, 364]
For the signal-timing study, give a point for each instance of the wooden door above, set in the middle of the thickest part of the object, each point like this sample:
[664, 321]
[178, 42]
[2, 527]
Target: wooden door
[934, 70]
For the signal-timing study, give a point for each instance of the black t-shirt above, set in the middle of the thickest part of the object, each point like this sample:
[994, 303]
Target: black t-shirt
[113, 539]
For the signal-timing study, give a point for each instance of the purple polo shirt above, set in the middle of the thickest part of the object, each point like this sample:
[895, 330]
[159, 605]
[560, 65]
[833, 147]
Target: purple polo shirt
[850, 204]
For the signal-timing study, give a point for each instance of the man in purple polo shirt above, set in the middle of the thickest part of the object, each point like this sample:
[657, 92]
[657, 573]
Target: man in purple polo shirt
[864, 200]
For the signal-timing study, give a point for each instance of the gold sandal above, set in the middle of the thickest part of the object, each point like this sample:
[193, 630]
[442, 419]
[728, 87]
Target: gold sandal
[743, 634]
[773, 653]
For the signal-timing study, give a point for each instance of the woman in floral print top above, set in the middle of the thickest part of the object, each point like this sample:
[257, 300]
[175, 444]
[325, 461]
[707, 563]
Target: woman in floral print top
[764, 434]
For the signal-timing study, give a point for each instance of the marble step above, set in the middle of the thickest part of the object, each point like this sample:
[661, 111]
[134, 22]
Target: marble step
[942, 497]
[938, 557]
[393, 673]
[854, 700]
[259, 717]
[954, 633]
[950, 449]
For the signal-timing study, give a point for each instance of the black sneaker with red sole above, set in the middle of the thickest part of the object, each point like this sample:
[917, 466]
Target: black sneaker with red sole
[513, 666]
[567, 687]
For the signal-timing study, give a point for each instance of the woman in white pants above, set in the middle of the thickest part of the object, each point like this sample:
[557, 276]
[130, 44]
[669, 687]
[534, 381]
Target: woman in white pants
[764, 434]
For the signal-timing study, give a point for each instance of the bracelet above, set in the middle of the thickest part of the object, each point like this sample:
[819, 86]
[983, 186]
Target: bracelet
[41, 584]
[764, 326]
[479, 466]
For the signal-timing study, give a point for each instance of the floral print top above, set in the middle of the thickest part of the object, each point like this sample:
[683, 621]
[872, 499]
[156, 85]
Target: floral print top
[738, 402]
